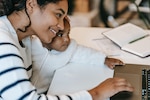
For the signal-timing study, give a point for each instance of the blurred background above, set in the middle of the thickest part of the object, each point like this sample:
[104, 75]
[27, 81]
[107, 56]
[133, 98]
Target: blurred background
[109, 13]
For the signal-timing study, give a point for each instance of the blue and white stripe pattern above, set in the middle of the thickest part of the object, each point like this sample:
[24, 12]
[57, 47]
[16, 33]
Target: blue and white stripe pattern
[16, 69]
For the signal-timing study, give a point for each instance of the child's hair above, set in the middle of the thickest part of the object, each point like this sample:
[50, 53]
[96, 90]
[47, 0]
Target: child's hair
[8, 6]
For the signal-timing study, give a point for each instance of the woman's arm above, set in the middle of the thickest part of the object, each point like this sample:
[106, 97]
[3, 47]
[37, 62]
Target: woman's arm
[15, 83]
[14, 79]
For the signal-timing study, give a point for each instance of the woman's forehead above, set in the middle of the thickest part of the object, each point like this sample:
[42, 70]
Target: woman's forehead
[63, 4]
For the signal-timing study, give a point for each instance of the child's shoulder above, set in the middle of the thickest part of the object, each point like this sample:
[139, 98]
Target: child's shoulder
[35, 40]
[36, 43]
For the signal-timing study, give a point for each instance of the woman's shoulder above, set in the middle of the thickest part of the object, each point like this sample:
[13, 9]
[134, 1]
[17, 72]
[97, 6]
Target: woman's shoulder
[4, 22]
[6, 29]
[5, 36]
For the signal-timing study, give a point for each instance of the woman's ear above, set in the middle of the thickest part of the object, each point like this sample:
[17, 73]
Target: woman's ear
[30, 5]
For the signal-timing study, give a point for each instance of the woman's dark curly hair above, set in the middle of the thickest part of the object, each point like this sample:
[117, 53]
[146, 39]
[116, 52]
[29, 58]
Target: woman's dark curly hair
[8, 6]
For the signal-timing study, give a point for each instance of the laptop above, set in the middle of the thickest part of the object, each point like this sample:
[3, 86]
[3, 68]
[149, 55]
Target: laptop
[139, 77]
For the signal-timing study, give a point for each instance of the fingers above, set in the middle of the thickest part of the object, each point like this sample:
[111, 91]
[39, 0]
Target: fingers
[122, 85]
[117, 61]
[112, 62]
[112, 66]
[110, 87]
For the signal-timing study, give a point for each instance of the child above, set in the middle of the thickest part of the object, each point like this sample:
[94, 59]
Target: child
[61, 51]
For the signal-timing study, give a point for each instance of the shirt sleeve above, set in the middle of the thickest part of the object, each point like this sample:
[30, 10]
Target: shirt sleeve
[88, 55]
[14, 80]
[82, 95]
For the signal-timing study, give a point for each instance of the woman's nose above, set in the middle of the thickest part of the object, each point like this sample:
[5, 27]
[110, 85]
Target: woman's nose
[61, 25]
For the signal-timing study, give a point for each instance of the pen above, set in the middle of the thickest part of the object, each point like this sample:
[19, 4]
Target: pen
[138, 39]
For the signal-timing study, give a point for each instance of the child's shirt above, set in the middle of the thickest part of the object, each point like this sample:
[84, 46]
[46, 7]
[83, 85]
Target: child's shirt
[48, 62]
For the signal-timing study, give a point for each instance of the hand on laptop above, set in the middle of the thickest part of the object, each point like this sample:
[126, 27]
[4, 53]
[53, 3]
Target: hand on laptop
[110, 87]
[112, 62]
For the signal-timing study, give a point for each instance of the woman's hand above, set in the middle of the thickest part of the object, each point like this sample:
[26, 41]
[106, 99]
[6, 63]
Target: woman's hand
[109, 88]
[112, 62]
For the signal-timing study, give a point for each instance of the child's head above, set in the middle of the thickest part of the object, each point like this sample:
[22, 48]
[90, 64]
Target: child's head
[62, 39]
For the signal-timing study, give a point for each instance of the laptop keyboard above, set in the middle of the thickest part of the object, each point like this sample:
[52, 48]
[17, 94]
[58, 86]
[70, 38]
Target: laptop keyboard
[145, 84]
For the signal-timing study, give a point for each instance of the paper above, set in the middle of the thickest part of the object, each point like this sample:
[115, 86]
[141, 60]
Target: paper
[77, 77]
[107, 46]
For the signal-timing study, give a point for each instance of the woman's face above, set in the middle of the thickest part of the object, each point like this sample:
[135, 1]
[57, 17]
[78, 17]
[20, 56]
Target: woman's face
[48, 20]
[62, 40]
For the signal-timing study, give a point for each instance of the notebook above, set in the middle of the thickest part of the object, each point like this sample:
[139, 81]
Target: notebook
[139, 77]
[130, 38]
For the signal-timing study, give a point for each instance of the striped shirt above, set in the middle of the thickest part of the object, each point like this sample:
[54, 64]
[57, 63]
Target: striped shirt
[16, 69]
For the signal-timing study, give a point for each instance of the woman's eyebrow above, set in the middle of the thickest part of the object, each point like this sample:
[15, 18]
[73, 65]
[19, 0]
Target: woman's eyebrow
[62, 11]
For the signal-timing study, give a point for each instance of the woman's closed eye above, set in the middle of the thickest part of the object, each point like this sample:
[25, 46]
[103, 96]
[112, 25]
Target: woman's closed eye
[59, 15]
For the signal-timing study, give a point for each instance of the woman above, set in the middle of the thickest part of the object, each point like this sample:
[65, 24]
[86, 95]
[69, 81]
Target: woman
[44, 18]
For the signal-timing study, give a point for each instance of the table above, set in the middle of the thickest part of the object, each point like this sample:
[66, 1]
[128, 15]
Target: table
[74, 77]
[89, 36]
